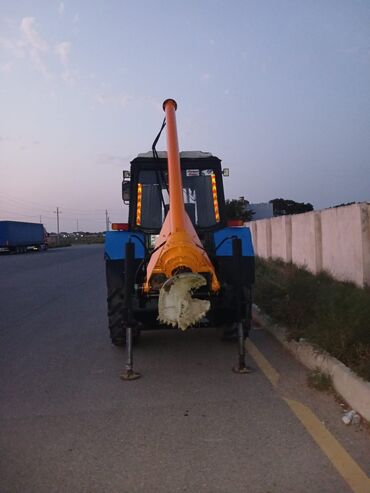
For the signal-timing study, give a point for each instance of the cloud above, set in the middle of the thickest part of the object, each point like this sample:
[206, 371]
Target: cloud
[14, 48]
[205, 76]
[32, 37]
[61, 9]
[34, 44]
[7, 68]
[63, 50]
[124, 100]
[76, 18]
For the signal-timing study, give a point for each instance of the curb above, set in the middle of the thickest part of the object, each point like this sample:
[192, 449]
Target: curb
[354, 390]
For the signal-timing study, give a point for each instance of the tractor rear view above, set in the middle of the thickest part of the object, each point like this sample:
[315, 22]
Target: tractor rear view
[176, 263]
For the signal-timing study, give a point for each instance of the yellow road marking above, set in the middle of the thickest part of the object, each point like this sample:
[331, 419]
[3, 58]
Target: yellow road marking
[350, 471]
[262, 362]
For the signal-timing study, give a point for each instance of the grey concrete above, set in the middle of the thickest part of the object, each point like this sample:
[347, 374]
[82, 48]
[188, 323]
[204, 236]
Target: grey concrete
[69, 424]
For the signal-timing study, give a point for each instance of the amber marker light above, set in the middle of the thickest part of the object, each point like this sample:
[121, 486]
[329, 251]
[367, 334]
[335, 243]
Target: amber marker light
[215, 199]
[138, 207]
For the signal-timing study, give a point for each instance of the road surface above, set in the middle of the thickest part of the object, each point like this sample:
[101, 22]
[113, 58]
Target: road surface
[69, 424]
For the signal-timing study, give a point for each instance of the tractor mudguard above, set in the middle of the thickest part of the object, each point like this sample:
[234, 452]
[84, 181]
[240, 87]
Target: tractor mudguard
[115, 242]
[223, 240]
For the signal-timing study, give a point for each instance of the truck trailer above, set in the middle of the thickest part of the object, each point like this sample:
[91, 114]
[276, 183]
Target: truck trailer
[20, 237]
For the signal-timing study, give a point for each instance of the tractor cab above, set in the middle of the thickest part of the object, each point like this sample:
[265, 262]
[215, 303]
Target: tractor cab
[146, 190]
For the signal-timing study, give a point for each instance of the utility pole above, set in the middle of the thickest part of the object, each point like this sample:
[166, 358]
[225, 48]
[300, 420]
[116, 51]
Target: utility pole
[57, 212]
[40, 220]
[77, 226]
[106, 221]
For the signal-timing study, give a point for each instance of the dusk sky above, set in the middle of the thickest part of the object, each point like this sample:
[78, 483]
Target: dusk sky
[279, 90]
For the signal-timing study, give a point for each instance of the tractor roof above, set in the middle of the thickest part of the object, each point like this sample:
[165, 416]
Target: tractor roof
[183, 154]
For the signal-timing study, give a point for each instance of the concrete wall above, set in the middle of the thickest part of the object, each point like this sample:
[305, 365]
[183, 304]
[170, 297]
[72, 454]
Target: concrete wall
[336, 240]
[306, 241]
[263, 234]
[281, 238]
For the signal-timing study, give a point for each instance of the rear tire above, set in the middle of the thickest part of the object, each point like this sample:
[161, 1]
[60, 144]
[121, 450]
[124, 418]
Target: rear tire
[115, 306]
[116, 325]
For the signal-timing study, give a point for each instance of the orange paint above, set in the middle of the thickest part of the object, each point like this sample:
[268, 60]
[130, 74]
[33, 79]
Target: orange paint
[182, 247]
[215, 199]
[138, 203]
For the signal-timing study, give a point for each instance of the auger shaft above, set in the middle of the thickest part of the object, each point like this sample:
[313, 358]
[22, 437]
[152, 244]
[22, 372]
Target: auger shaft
[177, 207]
[178, 247]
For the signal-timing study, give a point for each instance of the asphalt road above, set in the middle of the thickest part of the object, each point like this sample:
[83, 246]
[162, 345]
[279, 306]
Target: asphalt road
[69, 424]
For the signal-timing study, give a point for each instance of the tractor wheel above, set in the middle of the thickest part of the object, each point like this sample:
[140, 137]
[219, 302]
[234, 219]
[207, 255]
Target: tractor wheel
[116, 327]
[115, 305]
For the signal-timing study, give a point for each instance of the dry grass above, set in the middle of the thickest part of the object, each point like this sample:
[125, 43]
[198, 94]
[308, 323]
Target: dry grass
[330, 314]
[318, 380]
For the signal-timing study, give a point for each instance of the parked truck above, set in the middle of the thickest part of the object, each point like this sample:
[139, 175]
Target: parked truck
[20, 237]
[177, 263]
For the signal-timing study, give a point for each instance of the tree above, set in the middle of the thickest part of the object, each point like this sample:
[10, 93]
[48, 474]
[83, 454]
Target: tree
[283, 207]
[344, 204]
[238, 209]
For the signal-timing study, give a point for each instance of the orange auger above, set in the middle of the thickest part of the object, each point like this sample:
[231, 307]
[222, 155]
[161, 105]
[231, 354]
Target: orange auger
[181, 249]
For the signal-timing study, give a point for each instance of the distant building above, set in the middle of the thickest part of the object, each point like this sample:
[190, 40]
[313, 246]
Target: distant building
[263, 210]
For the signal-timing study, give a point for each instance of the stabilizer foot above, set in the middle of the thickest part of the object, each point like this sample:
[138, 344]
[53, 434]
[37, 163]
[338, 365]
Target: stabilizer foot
[242, 370]
[130, 375]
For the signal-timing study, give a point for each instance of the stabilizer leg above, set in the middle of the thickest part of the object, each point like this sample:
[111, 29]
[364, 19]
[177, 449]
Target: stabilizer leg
[129, 373]
[241, 367]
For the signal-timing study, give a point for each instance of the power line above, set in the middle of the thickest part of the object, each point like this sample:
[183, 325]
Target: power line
[22, 214]
[24, 203]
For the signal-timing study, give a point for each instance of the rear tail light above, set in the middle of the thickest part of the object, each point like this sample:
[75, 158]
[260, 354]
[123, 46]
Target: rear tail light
[119, 226]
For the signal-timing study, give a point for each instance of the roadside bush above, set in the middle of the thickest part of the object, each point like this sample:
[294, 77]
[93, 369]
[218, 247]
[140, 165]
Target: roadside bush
[330, 314]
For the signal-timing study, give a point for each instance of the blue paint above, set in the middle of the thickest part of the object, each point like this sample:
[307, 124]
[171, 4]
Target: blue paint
[115, 242]
[225, 250]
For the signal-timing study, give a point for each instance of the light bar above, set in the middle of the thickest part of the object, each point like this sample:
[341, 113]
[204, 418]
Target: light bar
[138, 205]
[215, 199]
